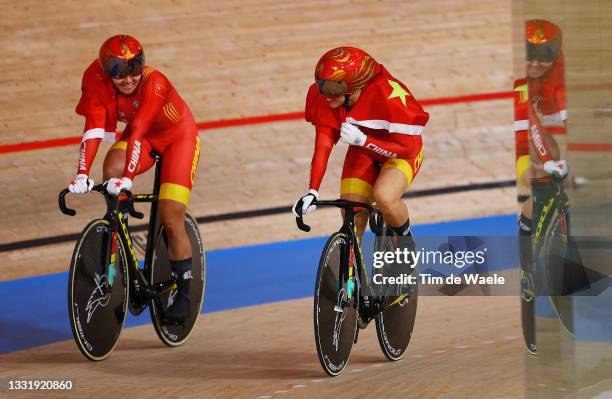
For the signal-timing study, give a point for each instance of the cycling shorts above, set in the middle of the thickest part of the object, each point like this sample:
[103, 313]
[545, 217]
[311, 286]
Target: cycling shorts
[179, 163]
[361, 170]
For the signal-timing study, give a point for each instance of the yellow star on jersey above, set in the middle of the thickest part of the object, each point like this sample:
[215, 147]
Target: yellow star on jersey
[523, 93]
[398, 91]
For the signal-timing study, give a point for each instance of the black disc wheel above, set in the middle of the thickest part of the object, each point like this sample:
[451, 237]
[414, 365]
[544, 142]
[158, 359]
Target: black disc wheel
[335, 311]
[97, 293]
[161, 276]
[395, 323]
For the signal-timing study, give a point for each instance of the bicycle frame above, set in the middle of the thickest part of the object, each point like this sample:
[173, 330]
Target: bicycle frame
[352, 251]
[557, 205]
[354, 244]
[118, 209]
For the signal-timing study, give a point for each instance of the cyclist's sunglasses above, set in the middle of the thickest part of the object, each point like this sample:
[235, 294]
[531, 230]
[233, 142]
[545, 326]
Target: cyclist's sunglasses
[331, 89]
[542, 53]
[132, 67]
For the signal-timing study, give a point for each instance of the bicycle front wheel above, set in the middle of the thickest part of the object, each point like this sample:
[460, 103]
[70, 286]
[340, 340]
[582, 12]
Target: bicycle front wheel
[335, 312]
[175, 335]
[97, 296]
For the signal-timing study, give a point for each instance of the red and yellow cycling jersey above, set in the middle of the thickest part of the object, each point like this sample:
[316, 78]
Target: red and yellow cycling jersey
[391, 118]
[156, 119]
[539, 110]
[155, 111]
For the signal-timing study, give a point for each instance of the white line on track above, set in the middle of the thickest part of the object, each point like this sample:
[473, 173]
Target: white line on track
[418, 356]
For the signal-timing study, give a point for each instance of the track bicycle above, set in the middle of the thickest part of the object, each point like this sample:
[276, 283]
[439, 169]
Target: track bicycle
[343, 293]
[555, 253]
[106, 279]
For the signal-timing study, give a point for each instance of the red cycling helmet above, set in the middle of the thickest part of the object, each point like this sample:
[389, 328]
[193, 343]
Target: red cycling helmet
[544, 40]
[121, 56]
[344, 70]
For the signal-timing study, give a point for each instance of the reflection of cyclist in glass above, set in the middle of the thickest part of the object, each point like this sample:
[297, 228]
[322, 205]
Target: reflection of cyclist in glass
[357, 99]
[540, 112]
[119, 86]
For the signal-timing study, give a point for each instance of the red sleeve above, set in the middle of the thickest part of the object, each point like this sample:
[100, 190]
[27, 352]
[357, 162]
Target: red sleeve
[97, 105]
[325, 140]
[521, 117]
[87, 153]
[394, 145]
[537, 140]
[154, 94]
[95, 123]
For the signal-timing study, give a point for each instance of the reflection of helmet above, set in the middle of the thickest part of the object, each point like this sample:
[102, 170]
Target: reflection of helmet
[344, 70]
[121, 55]
[543, 40]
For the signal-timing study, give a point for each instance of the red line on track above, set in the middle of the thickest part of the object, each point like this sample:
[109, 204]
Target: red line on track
[589, 147]
[252, 120]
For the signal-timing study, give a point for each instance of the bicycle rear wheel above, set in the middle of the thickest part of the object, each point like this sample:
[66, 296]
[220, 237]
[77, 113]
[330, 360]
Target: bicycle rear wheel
[96, 309]
[394, 325]
[175, 335]
[335, 314]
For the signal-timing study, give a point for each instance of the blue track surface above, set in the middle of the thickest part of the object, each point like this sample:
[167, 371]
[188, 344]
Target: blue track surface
[34, 310]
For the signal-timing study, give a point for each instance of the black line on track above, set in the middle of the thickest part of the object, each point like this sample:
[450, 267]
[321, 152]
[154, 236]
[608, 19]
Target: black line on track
[39, 242]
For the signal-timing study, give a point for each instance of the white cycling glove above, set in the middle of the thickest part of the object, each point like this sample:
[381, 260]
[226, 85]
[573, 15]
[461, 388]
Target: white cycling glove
[304, 206]
[114, 185]
[352, 135]
[81, 184]
[558, 169]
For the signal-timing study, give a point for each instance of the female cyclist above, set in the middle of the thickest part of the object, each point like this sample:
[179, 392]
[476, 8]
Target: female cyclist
[354, 98]
[119, 86]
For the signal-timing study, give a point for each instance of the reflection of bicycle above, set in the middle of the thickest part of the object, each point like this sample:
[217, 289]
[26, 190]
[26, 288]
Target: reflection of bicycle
[555, 251]
[340, 299]
[106, 280]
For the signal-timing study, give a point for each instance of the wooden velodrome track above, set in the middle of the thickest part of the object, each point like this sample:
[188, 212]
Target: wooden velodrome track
[244, 58]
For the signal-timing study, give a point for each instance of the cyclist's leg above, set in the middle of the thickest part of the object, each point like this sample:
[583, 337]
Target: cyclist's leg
[179, 163]
[114, 162]
[395, 177]
[358, 176]
[525, 220]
